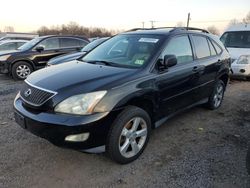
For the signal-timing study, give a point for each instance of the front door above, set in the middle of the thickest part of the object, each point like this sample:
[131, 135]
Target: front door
[177, 84]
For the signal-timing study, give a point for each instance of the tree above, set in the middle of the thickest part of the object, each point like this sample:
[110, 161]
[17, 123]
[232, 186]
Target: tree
[73, 28]
[180, 24]
[247, 18]
[9, 29]
[212, 29]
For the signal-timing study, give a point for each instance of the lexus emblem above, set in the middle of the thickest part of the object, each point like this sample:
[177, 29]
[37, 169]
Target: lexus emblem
[27, 93]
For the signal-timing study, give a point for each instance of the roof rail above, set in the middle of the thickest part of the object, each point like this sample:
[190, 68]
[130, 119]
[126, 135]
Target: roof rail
[173, 29]
[189, 29]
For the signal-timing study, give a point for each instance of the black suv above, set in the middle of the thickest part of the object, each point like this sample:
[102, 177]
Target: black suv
[112, 97]
[36, 53]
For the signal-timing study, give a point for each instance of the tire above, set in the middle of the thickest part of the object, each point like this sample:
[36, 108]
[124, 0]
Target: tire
[216, 98]
[21, 70]
[123, 143]
[248, 161]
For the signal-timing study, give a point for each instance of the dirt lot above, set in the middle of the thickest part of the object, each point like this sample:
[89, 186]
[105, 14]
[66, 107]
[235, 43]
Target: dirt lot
[198, 148]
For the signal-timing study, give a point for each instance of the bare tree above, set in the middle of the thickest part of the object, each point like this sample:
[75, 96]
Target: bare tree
[9, 29]
[180, 24]
[247, 18]
[73, 28]
[214, 30]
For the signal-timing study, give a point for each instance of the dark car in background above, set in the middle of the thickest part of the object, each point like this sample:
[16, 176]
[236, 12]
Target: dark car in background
[7, 45]
[112, 97]
[36, 53]
[74, 56]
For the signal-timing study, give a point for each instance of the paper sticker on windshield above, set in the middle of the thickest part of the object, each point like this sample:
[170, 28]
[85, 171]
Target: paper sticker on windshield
[139, 62]
[151, 40]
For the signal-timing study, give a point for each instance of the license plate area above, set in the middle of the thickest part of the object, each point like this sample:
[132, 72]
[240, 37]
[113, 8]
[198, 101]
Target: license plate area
[20, 119]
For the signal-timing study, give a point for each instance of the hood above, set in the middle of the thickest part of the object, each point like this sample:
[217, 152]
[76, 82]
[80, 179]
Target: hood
[78, 77]
[65, 58]
[235, 53]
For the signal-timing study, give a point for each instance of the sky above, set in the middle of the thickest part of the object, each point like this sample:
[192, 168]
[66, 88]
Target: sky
[29, 15]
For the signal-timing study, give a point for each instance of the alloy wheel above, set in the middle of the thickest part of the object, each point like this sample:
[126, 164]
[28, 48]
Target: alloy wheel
[133, 137]
[23, 71]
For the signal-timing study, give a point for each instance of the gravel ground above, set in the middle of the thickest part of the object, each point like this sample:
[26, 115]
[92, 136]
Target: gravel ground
[198, 148]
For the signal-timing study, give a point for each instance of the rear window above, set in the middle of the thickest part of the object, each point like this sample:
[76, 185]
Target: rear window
[71, 42]
[236, 39]
[201, 46]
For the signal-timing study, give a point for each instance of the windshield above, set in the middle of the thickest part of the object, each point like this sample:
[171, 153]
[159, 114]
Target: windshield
[236, 39]
[29, 44]
[93, 44]
[125, 50]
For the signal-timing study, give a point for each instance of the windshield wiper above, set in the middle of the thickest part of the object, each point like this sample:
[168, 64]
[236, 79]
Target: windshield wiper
[108, 63]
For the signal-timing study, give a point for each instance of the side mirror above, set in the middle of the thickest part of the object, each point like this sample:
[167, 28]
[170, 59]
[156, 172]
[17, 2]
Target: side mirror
[169, 61]
[39, 48]
[78, 49]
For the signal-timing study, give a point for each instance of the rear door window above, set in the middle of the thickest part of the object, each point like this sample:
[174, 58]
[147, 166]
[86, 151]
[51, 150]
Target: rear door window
[201, 46]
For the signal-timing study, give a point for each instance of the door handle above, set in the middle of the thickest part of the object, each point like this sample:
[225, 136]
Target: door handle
[218, 62]
[198, 68]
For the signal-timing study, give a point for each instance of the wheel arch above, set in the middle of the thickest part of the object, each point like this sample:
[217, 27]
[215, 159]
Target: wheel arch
[224, 77]
[146, 103]
[24, 60]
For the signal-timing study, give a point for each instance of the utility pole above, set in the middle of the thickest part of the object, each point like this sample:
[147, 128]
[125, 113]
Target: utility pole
[188, 20]
[143, 24]
[152, 24]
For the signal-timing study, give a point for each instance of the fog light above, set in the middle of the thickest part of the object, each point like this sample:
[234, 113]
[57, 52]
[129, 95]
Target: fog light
[77, 137]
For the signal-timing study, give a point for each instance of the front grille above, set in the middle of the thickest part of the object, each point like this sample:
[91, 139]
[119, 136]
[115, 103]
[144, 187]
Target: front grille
[34, 95]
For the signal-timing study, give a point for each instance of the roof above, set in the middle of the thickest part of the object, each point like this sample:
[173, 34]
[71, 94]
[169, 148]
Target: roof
[239, 27]
[73, 36]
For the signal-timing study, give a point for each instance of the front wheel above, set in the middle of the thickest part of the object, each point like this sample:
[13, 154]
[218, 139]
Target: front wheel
[129, 135]
[21, 70]
[216, 98]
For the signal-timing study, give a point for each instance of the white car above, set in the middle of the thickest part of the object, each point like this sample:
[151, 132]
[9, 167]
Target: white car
[8, 45]
[237, 40]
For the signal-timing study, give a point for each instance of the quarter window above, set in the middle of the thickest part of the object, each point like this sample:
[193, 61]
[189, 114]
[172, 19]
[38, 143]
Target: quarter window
[181, 48]
[212, 50]
[51, 43]
[218, 49]
[201, 47]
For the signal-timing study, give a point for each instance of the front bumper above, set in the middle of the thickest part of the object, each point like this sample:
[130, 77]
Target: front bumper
[4, 68]
[55, 127]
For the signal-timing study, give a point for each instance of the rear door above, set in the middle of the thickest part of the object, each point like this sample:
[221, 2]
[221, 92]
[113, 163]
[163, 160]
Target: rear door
[208, 61]
[177, 85]
[69, 44]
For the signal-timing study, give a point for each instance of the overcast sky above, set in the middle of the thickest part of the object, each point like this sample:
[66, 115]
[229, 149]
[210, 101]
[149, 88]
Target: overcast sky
[29, 15]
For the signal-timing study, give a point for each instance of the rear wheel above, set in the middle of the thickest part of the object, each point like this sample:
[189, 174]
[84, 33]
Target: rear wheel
[21, 70]
[129, 135]
[216, 98]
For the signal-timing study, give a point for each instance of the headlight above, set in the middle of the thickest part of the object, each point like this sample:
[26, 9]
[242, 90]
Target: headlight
[244, 59]
[80, 104]
[4, 58]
